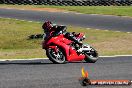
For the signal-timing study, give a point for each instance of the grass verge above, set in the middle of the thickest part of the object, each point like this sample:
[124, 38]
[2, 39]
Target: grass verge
[15, 43]
[105, 10]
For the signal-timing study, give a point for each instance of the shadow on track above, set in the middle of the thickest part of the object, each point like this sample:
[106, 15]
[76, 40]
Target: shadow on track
[35, 62]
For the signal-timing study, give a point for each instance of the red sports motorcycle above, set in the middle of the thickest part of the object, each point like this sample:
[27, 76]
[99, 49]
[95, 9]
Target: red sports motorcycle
[60, 50]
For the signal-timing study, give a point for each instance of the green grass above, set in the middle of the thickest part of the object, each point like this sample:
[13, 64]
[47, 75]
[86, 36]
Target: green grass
[14, 42]
[105, 10]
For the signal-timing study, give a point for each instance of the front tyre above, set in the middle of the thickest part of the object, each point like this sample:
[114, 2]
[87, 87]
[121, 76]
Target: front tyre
[91, 56]
[56, 57]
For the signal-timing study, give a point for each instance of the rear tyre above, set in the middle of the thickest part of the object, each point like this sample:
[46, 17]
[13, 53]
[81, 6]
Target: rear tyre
[92, 56]
[57, 58]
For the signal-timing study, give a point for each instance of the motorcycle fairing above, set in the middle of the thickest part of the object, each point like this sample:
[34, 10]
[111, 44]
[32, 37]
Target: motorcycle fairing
[70, 52]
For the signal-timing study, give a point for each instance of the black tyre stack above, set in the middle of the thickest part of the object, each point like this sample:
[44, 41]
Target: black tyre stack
[70, 2]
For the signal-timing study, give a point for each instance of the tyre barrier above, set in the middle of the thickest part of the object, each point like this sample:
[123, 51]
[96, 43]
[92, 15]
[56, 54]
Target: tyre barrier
[68, 3]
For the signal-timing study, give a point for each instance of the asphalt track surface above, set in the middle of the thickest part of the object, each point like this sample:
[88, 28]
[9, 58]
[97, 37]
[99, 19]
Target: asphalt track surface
[45, 74]
[91, 21]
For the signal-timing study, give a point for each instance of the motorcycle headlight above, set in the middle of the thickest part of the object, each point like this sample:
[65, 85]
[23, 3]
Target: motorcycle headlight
[84, 37]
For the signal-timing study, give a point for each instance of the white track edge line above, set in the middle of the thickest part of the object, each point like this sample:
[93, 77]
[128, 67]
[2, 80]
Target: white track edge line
[20, 19]
[116, 56]
[22, 59]
[47, 58]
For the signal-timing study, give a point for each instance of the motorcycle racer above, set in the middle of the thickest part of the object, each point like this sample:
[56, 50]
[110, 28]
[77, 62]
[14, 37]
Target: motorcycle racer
[62, 46]
[52, 30]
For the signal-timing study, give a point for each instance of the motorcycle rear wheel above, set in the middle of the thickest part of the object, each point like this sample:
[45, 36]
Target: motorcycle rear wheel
[57, 58]
[91, 57]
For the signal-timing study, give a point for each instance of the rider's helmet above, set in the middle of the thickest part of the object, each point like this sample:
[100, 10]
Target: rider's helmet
[47, 26]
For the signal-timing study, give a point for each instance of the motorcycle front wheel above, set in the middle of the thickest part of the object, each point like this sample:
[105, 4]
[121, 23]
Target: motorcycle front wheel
[91, 56]
[56, 57]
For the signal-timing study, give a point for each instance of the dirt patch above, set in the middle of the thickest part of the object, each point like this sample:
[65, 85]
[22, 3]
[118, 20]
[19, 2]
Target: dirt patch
[36, 9]
[48, 9]
[115, 46]
[16, 54]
